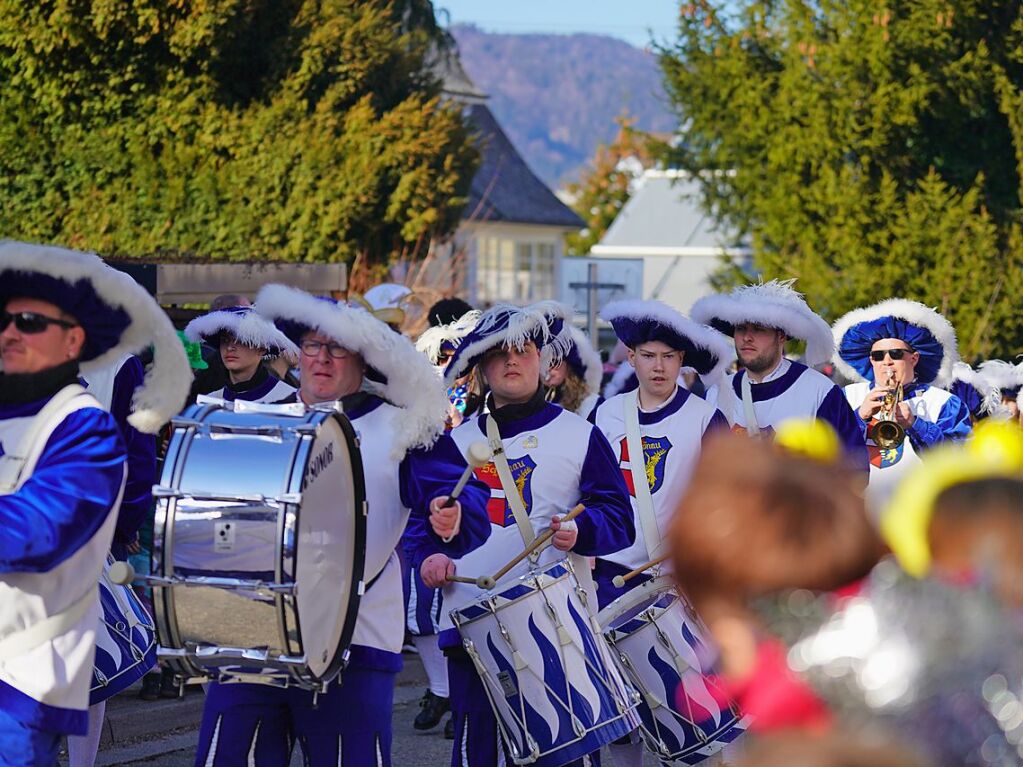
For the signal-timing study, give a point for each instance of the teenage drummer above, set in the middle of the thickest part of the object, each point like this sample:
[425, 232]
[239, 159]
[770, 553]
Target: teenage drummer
[244, 340]
[396, 404]
[656, 432]
[552, 460]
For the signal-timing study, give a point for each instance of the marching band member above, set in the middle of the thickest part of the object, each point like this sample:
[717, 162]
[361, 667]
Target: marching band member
[396, 405]
[574, 383]
[900, 346]
[546, 460]
[1007, 380]
[424, 605]
[62, 474]
[771, 389]
[664, 423]
[244, 339]
[982, 398]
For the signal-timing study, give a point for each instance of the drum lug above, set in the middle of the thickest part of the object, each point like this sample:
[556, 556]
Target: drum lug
[294, 498]
[564, 638]
[518, 661]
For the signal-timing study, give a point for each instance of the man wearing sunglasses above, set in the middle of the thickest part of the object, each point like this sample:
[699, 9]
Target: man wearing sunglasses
[62, 474]
[394, 400]
[900, 343]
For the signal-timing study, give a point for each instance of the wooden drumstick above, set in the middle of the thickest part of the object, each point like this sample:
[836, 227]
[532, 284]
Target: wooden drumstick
[487, 582]
[619, 580]
[461, 579]
[477, 455]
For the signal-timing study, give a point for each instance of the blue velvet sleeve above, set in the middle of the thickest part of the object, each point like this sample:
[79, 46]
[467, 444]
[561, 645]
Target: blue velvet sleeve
[141, 449]
[836, 410]
[953, 425]
[427, 474]
[718, 424]
[607, 524]
[66, 500]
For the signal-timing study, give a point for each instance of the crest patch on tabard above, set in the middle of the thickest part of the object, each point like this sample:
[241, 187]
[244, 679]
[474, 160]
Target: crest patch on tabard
[498, 510]
[655, 454]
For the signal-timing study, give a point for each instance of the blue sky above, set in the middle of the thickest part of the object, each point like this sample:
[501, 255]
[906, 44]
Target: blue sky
[633, 20]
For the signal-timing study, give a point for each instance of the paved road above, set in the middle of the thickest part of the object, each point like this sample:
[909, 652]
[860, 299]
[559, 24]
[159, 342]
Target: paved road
[139, 739]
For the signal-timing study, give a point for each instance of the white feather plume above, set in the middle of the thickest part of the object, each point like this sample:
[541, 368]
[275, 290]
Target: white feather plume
[703, 336]
[167, 383]
[773, 304]
[991, 395]
[248, 327]
[412, 384]
[912, 312]
[432, 339]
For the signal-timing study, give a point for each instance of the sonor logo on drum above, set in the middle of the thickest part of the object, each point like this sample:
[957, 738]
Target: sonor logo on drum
[320, 461]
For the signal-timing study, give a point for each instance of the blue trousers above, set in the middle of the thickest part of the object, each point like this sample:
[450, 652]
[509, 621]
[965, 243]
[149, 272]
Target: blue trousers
[24, 746]
[245, 725]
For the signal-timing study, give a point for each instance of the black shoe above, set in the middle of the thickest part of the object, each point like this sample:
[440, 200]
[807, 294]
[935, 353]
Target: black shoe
[169, 685]
[449, 728]
[151, 686]
[433, 710]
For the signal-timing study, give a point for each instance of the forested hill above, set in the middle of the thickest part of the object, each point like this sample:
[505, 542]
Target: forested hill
[557, 95]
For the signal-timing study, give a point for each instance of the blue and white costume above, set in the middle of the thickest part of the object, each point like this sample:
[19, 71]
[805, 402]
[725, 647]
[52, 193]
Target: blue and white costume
[981, 397]
[940, 416]
[791, 390]
[556, 459]
[584, 361]
[398, 420]
[253, 331]
[62, 471]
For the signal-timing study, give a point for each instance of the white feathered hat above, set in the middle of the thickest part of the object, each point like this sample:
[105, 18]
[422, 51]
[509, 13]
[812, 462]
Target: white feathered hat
[707, 351]
[118, 316]
[922, 328]
[246, 325]
[965, 378]
[403, 376]
[1005, 377]
[584, 360]
[504, 325]
[446, 337]
[772, 304]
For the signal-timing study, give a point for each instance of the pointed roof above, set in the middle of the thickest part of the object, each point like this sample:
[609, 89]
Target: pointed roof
[504, 188]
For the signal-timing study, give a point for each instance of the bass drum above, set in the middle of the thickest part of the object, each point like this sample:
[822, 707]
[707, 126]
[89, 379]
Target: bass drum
[259, 543]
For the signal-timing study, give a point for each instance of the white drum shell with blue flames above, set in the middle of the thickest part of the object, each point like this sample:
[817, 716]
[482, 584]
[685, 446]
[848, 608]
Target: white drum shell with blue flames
[548, 673]
[664, 650]
[125, 640]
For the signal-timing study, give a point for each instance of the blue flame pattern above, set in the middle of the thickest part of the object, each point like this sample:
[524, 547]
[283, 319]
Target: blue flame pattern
[536, 725]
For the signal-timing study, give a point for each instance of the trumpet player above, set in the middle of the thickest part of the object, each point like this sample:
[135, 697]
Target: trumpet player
[899, 353]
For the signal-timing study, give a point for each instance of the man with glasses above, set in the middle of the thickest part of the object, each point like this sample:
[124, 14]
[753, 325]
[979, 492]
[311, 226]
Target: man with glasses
[395, 402]
[770, 389]
[900, 343]
[62, 474]
[244, 339]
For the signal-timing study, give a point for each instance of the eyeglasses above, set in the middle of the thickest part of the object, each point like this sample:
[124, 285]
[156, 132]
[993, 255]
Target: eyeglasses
[30, 323]
[312, 349]
[895, 354]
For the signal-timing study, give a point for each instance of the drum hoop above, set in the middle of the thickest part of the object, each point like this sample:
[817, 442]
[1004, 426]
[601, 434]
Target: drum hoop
[458, 620]
[337, 663]
[633, 597]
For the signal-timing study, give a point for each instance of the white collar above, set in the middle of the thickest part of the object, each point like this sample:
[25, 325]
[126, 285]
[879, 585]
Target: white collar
[657, 407]
[778, 372]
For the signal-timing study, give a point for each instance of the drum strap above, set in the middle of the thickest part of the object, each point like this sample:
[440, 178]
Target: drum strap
[752, 427]
[48, 628]
[637, 465]
[511, 490]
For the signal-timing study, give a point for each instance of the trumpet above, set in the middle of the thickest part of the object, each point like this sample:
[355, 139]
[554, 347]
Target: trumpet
[888, 433]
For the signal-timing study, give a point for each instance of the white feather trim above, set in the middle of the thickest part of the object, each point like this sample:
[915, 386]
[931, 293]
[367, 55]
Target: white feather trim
[991, 395]
[703, 336]
[773, 304]
[593, 367]
[248, 327]
[165, 389]
[912, 312]
[524, 324]
[432, 339]
[412, 384]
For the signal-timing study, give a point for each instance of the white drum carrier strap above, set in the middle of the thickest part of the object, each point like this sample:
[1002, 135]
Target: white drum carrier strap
[752, 427]
[511, 490]
[13, 475]
[637, 465]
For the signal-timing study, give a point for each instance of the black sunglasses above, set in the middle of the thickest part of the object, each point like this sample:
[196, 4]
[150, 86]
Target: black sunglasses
[895, 354]
[30, 322]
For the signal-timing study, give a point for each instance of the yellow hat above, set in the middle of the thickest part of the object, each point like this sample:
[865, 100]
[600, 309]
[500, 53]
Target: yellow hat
[995, 450]
[810, 437]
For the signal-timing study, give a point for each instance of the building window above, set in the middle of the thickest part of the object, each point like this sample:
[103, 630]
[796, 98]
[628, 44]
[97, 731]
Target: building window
[519, 271]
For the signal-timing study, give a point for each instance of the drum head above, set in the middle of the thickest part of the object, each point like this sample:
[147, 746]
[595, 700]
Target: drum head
[330, 546]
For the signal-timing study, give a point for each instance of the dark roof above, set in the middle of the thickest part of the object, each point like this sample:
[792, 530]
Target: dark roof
[504, 188]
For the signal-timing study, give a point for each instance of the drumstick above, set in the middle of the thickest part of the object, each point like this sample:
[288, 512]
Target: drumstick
[461, 579]
[121, 573]
[619, 580]
[487, 582]
[477, 455]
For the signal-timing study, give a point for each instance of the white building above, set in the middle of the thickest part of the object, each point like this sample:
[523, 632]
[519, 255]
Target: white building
[663, 224]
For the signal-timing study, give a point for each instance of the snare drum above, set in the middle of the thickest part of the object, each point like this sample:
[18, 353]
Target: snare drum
[125, 640]
[664, 650]
[555, 691]
[259, 543]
